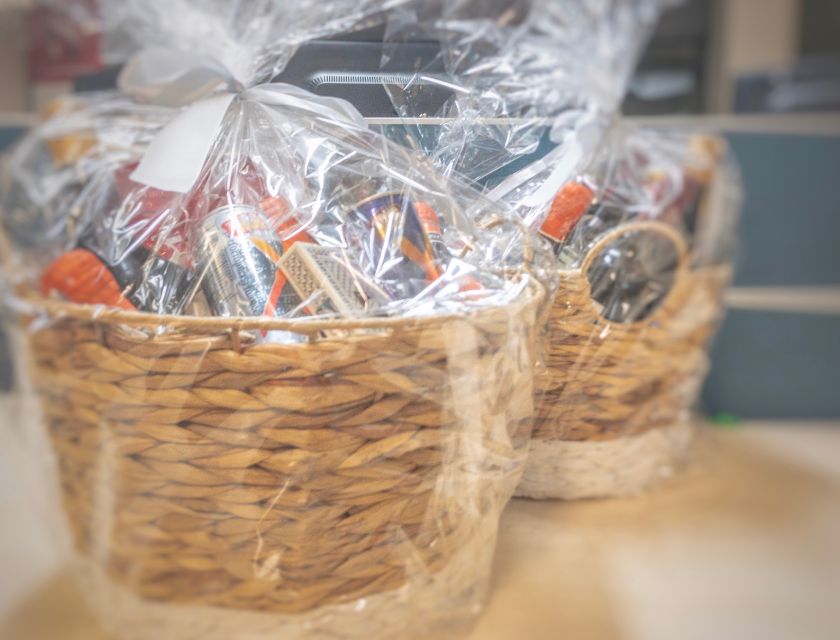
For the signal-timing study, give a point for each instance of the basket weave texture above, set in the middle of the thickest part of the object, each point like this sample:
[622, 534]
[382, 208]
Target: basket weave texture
[200, 468]
[608, 380]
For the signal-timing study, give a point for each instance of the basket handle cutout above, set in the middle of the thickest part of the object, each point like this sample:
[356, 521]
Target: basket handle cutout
[665, 230]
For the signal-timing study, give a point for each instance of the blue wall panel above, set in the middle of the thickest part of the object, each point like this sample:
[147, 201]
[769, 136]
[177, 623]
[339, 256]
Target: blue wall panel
[8, 137]
[776, 365]
[791, 221]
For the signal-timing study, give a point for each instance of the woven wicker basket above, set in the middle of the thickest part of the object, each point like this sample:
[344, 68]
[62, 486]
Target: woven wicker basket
[198, 468]
[613, 407]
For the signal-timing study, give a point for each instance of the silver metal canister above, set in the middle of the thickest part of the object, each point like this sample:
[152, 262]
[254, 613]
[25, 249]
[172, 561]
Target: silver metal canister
[237, 258]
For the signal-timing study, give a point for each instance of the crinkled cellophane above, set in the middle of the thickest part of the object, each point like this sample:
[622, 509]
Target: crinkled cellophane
[199, 469]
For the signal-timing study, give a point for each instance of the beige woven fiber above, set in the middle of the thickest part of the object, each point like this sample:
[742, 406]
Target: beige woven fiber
[615, 398]
[200, 468]
[578, 470]
[608, 380]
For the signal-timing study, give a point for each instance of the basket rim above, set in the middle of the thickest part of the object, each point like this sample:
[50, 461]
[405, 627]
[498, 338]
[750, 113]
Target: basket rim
[532, 294]
[684, 275]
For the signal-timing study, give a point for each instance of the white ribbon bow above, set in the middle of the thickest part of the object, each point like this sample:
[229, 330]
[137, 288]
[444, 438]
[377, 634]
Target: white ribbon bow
[168, 77]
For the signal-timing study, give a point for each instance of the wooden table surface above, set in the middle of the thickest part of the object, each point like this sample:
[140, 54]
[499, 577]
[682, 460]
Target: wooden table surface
[745, 544]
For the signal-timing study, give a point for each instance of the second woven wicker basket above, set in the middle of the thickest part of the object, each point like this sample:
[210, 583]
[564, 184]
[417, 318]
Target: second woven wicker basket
[613, 414]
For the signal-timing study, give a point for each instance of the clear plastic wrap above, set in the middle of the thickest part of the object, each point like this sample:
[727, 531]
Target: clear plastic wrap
[512, 74]
[253, 39]
[285, 168]
[645, 237]
[521, 102]
[291, 399]
[50, 179]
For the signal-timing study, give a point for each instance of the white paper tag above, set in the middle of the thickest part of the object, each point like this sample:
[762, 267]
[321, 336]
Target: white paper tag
[175, 157]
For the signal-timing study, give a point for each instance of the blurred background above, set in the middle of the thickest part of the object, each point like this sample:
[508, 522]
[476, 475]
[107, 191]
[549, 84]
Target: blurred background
[766, 73]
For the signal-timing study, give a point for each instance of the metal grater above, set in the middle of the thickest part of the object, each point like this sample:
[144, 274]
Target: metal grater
[311, 268]
[372, 77]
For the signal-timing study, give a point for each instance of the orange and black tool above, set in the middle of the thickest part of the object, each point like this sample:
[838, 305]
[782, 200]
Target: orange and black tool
[81, 277]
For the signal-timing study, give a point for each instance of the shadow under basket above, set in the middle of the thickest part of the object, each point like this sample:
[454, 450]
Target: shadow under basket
[200, 468]
[614, 407]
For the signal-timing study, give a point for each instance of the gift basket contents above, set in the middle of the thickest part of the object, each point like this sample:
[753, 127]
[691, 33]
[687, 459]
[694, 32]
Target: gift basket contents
[298, 212]
[286, 370]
